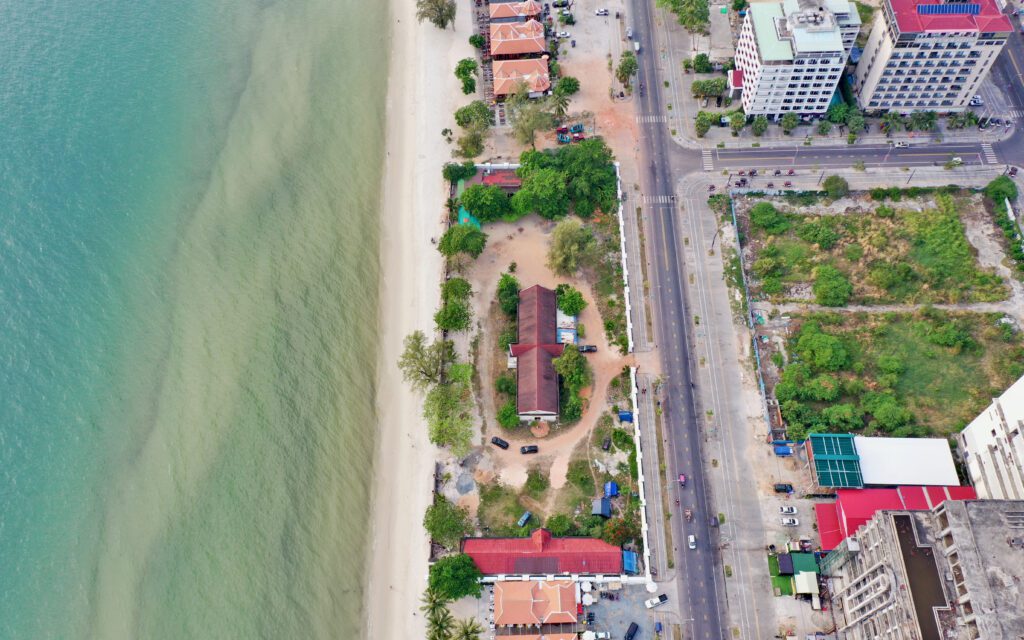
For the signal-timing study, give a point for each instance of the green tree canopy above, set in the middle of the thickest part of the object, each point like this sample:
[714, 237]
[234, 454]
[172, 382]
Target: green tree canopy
[765, 216]
[455, 577]
[703, 123]
[570, 299]
[448, 409]
[702, 63]
[789, 122]
[836, 113]
[694, 15]
[462, 238]
[821, 350]
[572, 246]
[440, 13]
[477, 41]
[590, 171]
[454, 171]
[424, 363]
[488, 203]
[627, 67]
[567, 85]
[574, 369]
[474, 116]
[528, 117]
[453, 316]
[708, 88]
[508, 294]
[543, 192]
[759, 126]
[447, 523]
[831, 288]
[836, 187]
[456, 290]
[737, 121]
[468, 629]
[560, 525]
[1000, 189]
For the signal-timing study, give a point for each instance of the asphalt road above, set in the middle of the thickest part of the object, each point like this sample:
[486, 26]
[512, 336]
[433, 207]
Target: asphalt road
[872, 155]
[696, 574]
[1008, 73]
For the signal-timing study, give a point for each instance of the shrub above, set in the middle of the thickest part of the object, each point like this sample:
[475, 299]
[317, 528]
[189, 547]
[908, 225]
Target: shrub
[456, 290]
[579, 475]
[508, 294]
[702, 63]
[462, 238]
[488, 203]
[455, 577]
[453, 316]
[560, 525]
[447, 523]
[506, 384]
[622, 439]
[836, 187]
[572, 246]
[454, 171]
[572, 408]
[508, 417]
[821, 350]
[767, 217]
[831, 288]
[476, 40]
[536, 482]
[570, 300]
[821, 232]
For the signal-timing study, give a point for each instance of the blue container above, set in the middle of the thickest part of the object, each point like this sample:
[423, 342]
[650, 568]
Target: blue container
[625, 416]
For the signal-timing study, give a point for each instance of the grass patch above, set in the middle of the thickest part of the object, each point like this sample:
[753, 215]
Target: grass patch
[500, 510]
[926, 373]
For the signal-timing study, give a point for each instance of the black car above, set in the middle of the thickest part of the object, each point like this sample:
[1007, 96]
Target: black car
[530, 448]
[498, 442]
[783, 488]
[606, 444]
[587, 348]
[632, 631]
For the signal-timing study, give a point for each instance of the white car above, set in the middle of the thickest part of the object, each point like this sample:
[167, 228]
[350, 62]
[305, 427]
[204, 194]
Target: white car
[629, 33]
[656, 602]
[790, 522]
[563, 34]
[788, 511]
[902, 144]
[601, 12]
[957, 160]
[691, 541]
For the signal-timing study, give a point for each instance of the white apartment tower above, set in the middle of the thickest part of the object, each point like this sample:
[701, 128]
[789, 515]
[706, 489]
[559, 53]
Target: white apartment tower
[992, 446]
[791, 54]
[929, 55]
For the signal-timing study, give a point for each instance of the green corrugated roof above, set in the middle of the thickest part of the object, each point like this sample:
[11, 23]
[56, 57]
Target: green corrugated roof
[836, 463]
[763, 15]
[804, 562]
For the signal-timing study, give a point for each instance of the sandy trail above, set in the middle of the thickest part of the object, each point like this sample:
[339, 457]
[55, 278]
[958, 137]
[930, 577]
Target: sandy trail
[422, 95]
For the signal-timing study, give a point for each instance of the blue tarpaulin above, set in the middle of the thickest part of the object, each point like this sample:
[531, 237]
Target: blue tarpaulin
[601, 507]
[625, 416]
[611, 489]
[783, 450]
[630, 563]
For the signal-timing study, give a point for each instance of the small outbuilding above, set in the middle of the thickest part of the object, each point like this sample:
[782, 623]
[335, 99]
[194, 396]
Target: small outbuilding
[601, 507]
[611, 489]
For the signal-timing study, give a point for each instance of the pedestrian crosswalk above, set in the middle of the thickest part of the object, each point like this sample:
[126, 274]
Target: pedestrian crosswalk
[706, 158]
[650, 119]
[989, 153]
[1014, 113]
[659, 199]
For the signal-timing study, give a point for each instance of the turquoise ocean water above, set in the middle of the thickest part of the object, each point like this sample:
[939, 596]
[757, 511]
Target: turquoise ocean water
[188, 299]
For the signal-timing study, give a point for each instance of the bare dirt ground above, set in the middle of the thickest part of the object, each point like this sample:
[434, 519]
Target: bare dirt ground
[525, 243]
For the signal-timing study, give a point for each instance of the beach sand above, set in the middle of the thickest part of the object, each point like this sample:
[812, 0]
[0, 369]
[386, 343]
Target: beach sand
[422, 96]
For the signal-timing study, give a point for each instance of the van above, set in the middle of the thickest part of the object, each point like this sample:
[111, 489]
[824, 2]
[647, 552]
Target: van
[631, 631]
[691, 541]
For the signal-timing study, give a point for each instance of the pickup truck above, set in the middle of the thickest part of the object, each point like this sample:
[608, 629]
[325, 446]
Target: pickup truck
[656, 601]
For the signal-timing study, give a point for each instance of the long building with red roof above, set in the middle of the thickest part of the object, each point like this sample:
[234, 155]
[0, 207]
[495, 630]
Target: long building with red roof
[543, 554]
[853, 507]
[929, 55]
[534, 353]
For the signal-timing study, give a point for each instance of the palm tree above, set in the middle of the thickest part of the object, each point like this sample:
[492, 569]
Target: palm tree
[440, 13]
[468, 629]
[433, 603]
[440, 626]
[892, 122]
[559, 102]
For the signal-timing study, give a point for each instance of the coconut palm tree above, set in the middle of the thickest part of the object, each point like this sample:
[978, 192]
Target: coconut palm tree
[892, 122]
[559, 102]
[441, 625]
[468, 629]
[433, 603]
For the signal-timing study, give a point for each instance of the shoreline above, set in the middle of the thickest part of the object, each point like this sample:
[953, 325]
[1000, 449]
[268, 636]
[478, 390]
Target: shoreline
[421, 98]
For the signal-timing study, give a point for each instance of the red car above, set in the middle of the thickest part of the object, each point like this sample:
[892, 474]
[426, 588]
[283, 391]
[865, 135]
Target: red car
[562, 130]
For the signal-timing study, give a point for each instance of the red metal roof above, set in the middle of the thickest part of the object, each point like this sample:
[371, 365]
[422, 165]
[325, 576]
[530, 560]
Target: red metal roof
[854, 507]
[502, 178]
[541, 553]
[910, 20]
[536, 380]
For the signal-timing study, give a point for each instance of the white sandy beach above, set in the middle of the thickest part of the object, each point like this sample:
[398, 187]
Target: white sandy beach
[422, 95]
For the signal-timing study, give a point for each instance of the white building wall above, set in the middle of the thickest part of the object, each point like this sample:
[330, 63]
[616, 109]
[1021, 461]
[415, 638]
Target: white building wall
[993, 448]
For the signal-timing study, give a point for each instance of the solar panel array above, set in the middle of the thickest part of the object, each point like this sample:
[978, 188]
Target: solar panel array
[949, 8]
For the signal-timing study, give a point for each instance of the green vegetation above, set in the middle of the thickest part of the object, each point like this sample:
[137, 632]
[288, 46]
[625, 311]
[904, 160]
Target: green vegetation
[477, 41]
[627, 67]
[454, 314]
[487, 203]
[702, 63]
[824, 128]
[544, 191]
[536, 483]
[508, 294]
[446, 523]
[454, 171]
[704, 122]
[462, 238]
[528, 116]
[836, 187]
[918, 254]
[866, 13]
[475, 119]
[900, 374]
[424, 364]
[574, 374]
[570, 300]
[997, 193]
[508, 416]
[573, 246]
[439, 13]
[465, 71]
[708, 88]
[567, 85]
[759, 126]
[587, 174]
[789, 122]
[455, 577]
[694, 15]
[448, 410]
[737, 121]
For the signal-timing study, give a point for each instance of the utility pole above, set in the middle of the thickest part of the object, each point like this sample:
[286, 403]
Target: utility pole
[911, 175]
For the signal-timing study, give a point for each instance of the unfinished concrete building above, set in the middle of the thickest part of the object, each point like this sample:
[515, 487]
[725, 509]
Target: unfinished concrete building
[953, 573]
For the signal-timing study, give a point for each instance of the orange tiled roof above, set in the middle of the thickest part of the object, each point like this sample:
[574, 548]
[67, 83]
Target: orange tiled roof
[525, 9]
[534, 602]
[516, 38]
[509, 73]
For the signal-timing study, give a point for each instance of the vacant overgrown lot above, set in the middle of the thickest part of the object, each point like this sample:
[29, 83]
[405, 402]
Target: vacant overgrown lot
[926, 373]
[885, 249]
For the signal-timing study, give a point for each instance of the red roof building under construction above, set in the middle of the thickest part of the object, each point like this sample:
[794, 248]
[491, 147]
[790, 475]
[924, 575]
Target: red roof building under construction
[543, 554]
[853, 507]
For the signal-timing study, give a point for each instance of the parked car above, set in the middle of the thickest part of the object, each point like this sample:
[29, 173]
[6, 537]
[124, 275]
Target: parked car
[787, 510]
[902, 144]
[713, 521]
[790, 522]
[498, 442]
[711, 187]
[791, 173]
[629, 33]
[783, 488]
[523, 519]
[631, 631]
[601, 12]
[588, 348]
[656, 601]
[602, 635]
[530, 448]
[691, 541]
[787, 183]
[1013, 171]
[606, 445]
[957, 160]
[771, 185]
